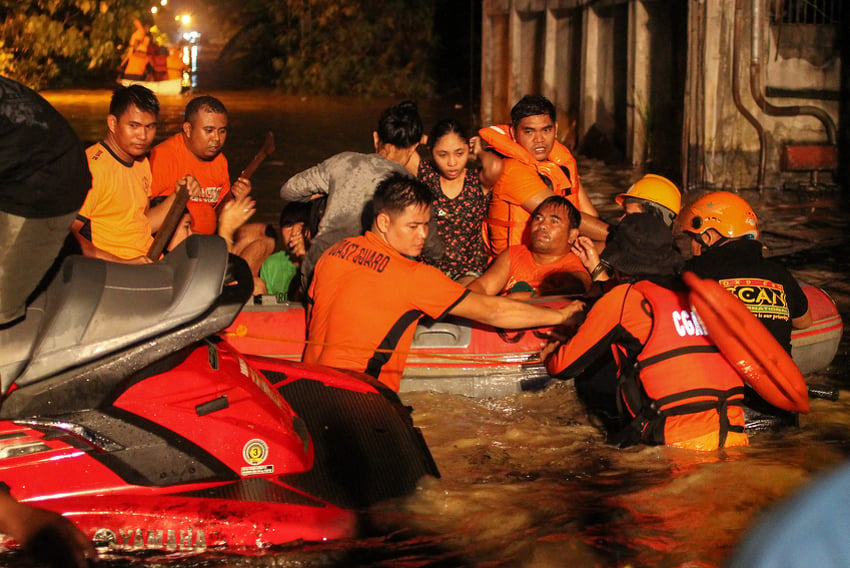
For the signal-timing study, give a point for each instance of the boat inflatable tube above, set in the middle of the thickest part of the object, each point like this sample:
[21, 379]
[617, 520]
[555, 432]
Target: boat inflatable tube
[748, 345]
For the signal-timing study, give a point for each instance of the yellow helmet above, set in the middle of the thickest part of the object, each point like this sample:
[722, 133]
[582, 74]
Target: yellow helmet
[727, 213]
[657, 189]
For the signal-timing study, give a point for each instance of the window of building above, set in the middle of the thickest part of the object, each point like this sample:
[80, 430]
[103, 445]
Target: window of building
[807, 11]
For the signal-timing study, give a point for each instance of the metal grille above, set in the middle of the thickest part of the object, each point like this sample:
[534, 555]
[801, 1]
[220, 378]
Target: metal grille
[807, 11]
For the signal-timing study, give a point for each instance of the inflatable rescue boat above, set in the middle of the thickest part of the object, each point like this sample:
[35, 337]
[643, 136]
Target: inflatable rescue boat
[460, 357]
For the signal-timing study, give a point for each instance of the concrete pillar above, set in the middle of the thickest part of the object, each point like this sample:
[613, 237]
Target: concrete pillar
[589, 72]
[637, 92]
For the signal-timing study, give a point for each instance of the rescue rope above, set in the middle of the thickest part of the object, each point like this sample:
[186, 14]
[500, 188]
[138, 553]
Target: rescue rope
[485, 360]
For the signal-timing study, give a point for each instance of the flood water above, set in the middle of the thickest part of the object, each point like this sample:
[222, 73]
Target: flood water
[527, 480]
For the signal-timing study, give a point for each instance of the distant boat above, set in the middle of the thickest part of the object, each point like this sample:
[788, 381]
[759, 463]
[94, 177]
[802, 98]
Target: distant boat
[165, 87]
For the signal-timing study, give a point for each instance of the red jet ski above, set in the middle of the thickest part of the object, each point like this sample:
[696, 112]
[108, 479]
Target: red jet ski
[128, 415]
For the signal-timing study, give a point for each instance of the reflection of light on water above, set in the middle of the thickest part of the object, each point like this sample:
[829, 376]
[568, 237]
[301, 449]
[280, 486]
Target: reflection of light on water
[190, 58]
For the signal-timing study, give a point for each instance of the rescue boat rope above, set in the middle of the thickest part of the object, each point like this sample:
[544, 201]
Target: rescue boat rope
[485, 360]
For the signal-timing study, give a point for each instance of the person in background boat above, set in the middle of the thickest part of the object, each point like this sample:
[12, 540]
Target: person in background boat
[652, 194]
[535, 167]
[349, 180]
[136, 61]
[368, 292]
[675, 386]
[116, 221]
[280, 269]
[724, 242]
[461, 196]
[44, 179]
[546, 265]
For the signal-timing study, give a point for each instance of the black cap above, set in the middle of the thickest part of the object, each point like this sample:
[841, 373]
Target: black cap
[642, 245]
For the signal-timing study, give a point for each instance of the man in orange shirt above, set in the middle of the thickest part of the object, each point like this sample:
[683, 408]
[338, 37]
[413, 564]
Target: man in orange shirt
[547, 265]
[196, 150]
[116, 221]
[535, 167]
[368, 292]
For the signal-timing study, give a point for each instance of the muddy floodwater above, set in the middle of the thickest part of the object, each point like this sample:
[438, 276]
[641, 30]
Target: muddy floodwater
[527, 480]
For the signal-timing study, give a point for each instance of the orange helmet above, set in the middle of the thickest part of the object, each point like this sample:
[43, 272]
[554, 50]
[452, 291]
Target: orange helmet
[657, 189]
[726, 213]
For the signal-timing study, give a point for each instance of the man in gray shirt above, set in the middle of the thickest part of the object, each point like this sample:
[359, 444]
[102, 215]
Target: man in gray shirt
[349, 180]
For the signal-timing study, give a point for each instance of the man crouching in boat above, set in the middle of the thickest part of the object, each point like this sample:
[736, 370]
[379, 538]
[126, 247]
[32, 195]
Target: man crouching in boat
[368, 292]
[547, 265]
[675, 386]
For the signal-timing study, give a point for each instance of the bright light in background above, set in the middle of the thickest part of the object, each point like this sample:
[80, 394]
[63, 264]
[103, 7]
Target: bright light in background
[186, 19]
[163, 2]
[154, 9]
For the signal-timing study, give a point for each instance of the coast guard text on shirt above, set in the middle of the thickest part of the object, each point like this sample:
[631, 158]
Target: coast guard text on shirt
[367, 257]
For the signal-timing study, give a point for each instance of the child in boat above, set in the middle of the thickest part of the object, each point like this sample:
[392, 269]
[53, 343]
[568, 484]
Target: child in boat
[279, 271]
[461, 197]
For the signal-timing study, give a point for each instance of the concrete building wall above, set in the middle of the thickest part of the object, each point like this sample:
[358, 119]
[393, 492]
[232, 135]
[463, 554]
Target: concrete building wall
[732, 143]
[649, 82]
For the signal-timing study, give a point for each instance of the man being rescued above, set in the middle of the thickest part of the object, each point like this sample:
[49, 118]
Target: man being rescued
[674, 385]
[546, 266]
[535, 166]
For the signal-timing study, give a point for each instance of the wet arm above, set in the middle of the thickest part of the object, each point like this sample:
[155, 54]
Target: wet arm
[45, 535]
[803, 321]
[306, 185]
[491, 163]
[91, 251]
[494, 279]
[511, 314]
[594, 338]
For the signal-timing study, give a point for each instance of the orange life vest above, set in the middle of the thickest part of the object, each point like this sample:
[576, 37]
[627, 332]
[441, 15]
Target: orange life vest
[559, 173]
[681, 391]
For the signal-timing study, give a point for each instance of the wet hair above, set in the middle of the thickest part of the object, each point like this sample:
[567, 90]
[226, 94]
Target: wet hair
[560, 202]
[532, 105]
[444, 127]
[653, 209]
[397, 192]
[205, 102]
[400, 125]
[135, 95]
[295, 212]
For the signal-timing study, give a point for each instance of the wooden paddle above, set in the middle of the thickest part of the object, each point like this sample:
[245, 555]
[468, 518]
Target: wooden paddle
[268, 148]
[169, 224]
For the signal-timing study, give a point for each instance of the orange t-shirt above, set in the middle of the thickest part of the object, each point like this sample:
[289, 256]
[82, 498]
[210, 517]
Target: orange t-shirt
[545, 277]
[367, 299]
[117, 203]
[171, 160]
